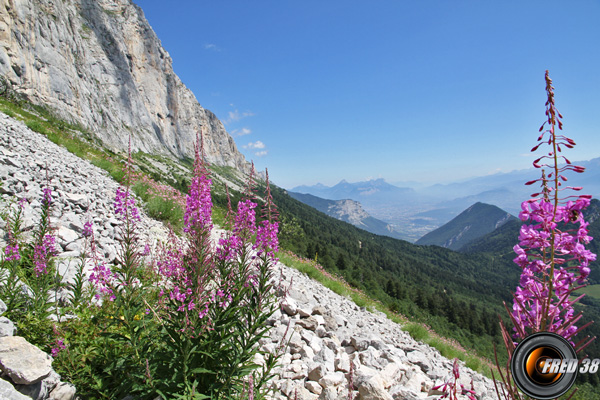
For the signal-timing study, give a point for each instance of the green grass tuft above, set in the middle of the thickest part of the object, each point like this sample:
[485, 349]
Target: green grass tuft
[417, 331]
[165, 210]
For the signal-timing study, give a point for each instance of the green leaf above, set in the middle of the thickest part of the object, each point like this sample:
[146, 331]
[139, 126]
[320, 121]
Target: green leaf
[202, 371]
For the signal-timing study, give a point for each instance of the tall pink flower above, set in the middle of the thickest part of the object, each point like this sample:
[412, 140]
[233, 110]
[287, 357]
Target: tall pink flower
[198, 208]
[124, 205]
[229, 248]
[551, 249]
[47, 197]
[102, 278]
[42, 253]
[187, 265]
[245, 219]
[266, 238]
[12, 252]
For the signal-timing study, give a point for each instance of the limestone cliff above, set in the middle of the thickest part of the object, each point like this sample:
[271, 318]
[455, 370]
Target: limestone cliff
[99, 63]
[350, 211]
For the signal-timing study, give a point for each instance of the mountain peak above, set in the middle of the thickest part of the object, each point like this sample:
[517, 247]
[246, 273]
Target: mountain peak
[474, 222]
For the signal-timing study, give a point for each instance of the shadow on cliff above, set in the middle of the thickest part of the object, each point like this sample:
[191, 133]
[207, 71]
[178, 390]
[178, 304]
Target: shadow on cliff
[94, 15]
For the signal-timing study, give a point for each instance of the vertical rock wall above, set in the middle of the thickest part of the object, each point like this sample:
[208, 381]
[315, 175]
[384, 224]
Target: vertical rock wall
[98, 63]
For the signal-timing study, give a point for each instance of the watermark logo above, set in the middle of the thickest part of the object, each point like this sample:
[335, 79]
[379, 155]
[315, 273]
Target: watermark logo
[544, 366]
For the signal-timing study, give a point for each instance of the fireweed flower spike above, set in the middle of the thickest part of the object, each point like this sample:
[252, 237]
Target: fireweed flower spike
[198, 202]
[551, 249]
[188, 264]
[244, 224]
[451, 389]
[266, 233]
[42, 253]
[44, 247]
[11, 252]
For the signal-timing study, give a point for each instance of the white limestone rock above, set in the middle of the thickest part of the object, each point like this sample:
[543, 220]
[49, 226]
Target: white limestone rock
[22, 362]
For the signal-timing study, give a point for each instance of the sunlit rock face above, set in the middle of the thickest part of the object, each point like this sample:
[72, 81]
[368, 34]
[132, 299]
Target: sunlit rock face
[98, 63]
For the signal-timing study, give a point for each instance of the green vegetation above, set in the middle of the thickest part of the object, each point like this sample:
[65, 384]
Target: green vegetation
[592, 291]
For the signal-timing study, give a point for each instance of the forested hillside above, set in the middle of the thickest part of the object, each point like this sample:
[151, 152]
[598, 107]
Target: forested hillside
[459, 295]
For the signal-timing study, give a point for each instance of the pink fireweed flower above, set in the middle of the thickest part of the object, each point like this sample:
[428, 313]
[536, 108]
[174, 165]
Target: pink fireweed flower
[221, 298]
[245, 220]
[203, 312]
[198, 209]
[59, 345]
[12, 252]
[531, 308]
[42, 253]
[146, 251]
[451, 389]
[47, 197]
[171, 265]
[182, 289]
[88, 229]
[229, 248]
[551, 249]
[102, 279]
[124, 206]
[266, 238]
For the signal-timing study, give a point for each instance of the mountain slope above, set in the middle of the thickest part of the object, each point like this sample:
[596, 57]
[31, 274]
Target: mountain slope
[474, 222]
[348, 211]
[500, 242]
[99, 64]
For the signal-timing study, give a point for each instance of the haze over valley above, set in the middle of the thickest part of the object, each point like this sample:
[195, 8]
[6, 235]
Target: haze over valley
[415, 210]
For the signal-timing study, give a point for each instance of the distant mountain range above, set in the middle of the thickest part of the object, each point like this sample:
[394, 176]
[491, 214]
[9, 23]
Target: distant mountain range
[473, 223]
[350, 211]
[372, 192]
[417, 210]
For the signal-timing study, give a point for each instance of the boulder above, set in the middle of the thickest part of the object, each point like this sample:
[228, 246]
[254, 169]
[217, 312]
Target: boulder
[22, 362]
[8, 392]
[7, 328]
[373, 389]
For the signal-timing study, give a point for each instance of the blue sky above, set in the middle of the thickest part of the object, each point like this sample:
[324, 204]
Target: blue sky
[430, 91]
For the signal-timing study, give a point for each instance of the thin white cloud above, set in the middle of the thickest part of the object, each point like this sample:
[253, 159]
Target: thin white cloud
[241, 132]
[211, 47]
[261, 153]
[255, 145]
[236, 115]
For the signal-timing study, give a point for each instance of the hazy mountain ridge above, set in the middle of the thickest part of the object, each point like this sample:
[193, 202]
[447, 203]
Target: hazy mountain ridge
[418, 210]
[476, 221]
[99, 64]
[350, 211]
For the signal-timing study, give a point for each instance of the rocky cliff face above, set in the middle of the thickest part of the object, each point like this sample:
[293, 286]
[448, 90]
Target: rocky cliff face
[350, 211]
[99, 63]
